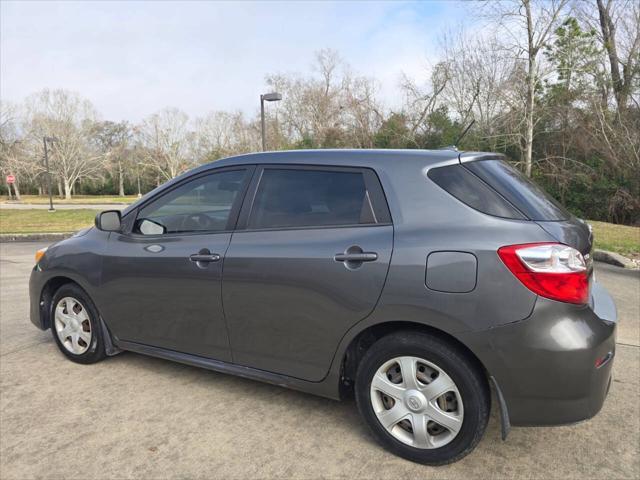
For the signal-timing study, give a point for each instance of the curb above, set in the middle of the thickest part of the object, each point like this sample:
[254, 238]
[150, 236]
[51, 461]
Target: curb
[616, 259]
[34, 237]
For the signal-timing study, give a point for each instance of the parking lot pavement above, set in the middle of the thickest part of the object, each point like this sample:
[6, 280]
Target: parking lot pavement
[136, 416]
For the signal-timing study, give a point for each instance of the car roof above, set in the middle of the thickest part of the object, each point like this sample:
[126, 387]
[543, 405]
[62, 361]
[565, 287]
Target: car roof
[337, 157]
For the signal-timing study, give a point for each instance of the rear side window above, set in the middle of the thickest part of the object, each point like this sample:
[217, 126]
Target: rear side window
[525, 195]
[288, 198]
[469, 189]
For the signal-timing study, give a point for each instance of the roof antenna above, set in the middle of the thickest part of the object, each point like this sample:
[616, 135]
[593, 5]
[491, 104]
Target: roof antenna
[454, 147]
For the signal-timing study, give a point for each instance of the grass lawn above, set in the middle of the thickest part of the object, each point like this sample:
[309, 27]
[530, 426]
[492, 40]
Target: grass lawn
[617, 238]
[88, 199]
[43, 221]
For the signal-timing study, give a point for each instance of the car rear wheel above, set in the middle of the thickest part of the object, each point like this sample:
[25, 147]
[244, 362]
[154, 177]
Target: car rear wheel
[423, 398]
[75, 325]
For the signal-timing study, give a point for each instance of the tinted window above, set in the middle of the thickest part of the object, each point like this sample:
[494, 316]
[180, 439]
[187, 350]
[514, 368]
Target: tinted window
[469, 189]
[528, 197]
[203, 204]
[300, 198]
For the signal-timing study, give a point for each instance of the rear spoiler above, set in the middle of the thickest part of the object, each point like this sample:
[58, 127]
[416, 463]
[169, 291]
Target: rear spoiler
[466, 157]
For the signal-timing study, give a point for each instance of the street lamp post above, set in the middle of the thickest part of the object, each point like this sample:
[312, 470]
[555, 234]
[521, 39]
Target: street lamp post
[267, 97]
[135, 151]
[46, 163]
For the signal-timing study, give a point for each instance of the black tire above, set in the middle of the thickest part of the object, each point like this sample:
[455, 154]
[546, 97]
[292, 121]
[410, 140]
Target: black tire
[468, 377]
[96, 348]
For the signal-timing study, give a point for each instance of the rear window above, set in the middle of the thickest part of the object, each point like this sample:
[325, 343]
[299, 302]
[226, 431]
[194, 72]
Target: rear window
[521, 192]
[469, 189]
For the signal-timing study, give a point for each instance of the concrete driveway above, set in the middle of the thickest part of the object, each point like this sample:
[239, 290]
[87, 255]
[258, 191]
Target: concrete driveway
[135, 416]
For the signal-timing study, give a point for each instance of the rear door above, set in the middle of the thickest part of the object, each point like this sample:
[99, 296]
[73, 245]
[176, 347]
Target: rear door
[308, 260]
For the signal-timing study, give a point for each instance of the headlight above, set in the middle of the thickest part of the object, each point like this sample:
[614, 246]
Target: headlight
[40, 253]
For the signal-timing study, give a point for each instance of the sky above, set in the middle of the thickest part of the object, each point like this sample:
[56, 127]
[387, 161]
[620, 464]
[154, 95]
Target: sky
[131, 59]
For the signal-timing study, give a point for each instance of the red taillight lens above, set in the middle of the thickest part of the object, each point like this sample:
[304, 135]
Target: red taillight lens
[552, 270]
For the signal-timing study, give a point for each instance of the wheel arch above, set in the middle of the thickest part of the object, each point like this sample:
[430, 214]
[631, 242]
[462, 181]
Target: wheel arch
[50, 287]
[363, 340]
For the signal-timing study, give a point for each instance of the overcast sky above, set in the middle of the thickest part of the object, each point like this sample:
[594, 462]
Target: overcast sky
[134, 58]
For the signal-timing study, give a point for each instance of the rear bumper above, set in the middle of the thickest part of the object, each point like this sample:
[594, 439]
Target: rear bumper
[547, 365]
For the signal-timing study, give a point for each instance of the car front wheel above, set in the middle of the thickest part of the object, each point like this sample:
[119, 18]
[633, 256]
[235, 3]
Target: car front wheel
[75, 325]
[422, 397]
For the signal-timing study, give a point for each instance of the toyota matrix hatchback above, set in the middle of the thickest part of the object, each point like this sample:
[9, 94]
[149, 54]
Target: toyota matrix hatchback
[416, 280]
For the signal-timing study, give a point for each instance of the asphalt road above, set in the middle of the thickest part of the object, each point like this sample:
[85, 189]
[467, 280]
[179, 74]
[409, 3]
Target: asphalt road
[135, 416]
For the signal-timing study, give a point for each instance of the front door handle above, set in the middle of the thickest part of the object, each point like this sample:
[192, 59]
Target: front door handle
[204, 256]
[356, 257]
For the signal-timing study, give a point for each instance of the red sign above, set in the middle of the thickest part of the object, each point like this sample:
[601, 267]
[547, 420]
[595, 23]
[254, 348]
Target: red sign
[11, 179]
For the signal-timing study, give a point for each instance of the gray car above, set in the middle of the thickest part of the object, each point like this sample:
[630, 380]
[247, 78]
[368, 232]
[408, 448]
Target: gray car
[417, 281]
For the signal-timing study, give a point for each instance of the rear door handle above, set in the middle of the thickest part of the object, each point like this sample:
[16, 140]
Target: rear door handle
[356, 257]
[204, 257]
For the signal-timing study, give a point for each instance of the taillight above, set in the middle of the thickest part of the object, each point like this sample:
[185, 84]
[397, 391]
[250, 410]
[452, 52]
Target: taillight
[551, 270]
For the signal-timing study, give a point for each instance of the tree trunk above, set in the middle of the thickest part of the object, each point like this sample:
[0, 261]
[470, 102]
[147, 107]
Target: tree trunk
[60, 194]
[16, 190]
[608, 29]
[120, 180]
[40, 190]
[67, 189]
[528, 138]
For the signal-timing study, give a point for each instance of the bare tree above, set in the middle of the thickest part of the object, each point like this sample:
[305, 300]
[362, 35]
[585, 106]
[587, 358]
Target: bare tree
[423, 100]
[165, 139]
[363, 114]
[66, 117]
[221, 134]
[526, 26]
[480, 86]
[112, 141]
[620, 29]
[315, 110]
[10, 148]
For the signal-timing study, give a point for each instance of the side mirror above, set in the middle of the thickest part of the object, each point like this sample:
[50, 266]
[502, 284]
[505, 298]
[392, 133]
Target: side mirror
[109, 221]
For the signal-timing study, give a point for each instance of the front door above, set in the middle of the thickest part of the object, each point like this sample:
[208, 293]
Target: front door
[163, 278]
[309, 262]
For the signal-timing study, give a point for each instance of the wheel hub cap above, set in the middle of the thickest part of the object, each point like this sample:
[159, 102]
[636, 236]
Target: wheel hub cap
[73, 326]
[415, 400]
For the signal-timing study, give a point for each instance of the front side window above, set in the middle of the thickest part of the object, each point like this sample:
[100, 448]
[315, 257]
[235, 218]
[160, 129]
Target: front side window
[201, 205]
[288, 198]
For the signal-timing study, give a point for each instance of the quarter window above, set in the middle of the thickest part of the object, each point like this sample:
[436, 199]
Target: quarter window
[528, 197]
[203, 204]
[469, 189]
[308, 197]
